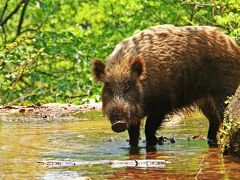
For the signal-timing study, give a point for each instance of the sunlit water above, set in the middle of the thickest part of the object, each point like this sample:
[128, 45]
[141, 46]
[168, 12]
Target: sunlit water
[24, 145]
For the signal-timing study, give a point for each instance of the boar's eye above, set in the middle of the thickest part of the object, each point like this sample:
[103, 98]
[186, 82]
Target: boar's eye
[128, 86]
[107, 87]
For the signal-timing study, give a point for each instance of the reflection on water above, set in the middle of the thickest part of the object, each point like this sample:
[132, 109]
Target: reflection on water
[23, 145]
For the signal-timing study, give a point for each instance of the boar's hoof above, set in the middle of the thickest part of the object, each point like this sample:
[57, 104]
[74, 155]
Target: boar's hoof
[119, 126]
[212, 143]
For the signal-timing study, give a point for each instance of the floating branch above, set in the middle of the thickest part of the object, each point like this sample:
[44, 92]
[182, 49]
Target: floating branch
[114, 163]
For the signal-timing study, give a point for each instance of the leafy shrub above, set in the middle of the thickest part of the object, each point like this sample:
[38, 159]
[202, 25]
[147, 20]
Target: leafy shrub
[49, 59]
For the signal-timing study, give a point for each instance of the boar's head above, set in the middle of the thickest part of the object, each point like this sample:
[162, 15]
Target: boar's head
[123, 91]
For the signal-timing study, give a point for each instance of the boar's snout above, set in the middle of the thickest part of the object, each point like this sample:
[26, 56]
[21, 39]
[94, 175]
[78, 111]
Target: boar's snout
[118, 120]
[119, 126]
[118, 116]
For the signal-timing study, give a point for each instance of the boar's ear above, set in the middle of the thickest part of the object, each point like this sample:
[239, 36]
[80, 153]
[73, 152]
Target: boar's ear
[98, 70]
[138, 67]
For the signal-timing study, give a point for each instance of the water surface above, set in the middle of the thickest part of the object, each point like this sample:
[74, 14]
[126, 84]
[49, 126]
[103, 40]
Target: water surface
[89, 137]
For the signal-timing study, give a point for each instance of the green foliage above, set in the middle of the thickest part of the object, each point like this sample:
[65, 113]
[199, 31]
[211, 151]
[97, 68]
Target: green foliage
[227, 134]
[50, 61]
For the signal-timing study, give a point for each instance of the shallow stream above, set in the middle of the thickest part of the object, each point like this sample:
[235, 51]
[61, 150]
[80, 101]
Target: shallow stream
[23, 145]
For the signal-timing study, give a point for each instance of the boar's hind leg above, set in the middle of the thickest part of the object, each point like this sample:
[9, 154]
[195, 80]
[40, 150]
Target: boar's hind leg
[134, 133]
[151, 126]
[214, 114]
[213, 127]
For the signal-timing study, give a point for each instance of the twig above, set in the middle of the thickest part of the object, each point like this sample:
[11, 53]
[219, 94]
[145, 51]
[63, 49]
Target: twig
[200, 167]
[36, 29]
[216, 25]
[4, 21]
[3, 28]
[79, 96]
[4, 10]
[47, 74]
[112, 13]
[20, 76]
[4, 35]
[192, 13]
[196, 4]
[22, 97]
[22, 17]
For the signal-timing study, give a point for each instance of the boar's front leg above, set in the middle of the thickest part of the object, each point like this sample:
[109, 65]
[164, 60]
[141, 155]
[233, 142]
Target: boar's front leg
[151, 126]
[134, 133]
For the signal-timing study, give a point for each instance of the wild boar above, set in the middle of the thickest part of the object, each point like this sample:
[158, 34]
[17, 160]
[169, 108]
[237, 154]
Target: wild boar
[166, 69]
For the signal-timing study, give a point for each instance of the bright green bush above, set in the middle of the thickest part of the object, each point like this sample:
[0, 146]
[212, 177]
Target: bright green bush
[50, 59]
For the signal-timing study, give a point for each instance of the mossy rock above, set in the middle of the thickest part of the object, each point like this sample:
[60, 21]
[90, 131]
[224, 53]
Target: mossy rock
[230, 134]
[234, 106]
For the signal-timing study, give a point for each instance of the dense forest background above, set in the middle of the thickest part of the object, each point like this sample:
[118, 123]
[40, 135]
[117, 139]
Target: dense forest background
[46, 46]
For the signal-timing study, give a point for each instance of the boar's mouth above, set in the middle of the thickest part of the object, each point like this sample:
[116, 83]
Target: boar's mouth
[119, 126]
